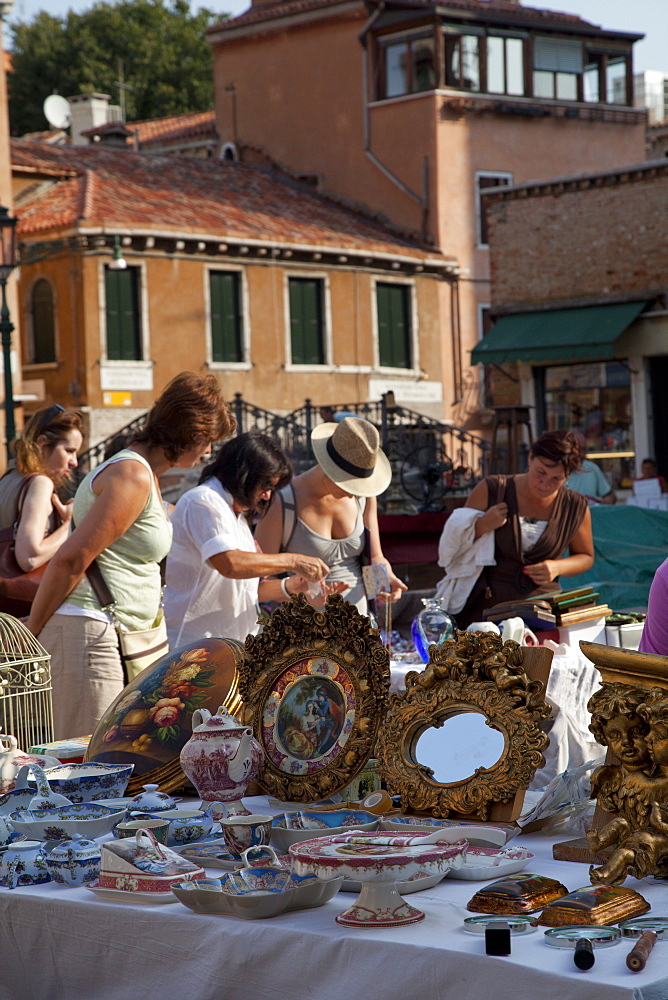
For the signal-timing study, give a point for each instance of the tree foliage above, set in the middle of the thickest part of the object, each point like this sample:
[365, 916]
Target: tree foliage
[166, 61]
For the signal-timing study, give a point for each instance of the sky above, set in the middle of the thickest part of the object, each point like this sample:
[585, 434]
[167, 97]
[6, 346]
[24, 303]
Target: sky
[642, 16]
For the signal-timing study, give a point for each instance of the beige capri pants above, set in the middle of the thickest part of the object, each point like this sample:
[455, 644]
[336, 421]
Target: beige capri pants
[86, 672]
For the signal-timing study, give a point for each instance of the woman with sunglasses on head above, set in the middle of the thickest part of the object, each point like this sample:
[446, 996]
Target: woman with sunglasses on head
[214, 568]
[45, 457]
[122, 526]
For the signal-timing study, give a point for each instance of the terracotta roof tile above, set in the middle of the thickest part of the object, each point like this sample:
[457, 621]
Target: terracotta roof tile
[282, 8]
[172, 128]
[120, 189]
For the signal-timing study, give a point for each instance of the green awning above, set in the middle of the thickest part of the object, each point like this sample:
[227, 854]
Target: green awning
[585, 334]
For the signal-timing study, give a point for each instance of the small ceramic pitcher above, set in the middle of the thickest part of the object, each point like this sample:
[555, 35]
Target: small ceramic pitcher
[23, 863]
[221, 757]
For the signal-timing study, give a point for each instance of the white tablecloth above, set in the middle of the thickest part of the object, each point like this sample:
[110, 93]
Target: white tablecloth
[65, 944]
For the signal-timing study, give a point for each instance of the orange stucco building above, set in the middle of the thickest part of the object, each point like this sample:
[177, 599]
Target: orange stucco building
[224, 267]
[413, 110]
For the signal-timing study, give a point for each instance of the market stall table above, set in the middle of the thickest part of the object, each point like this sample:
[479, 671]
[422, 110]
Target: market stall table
[65, 944]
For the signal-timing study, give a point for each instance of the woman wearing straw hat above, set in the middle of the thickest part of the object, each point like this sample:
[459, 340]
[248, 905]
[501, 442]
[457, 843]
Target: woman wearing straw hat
[330, 511]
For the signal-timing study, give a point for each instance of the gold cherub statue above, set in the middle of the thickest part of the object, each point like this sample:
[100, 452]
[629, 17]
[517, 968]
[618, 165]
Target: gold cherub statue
[633, 722]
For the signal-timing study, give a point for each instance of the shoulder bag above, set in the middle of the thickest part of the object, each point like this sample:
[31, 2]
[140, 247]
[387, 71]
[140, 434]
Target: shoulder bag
[140, 648]
[17, 588]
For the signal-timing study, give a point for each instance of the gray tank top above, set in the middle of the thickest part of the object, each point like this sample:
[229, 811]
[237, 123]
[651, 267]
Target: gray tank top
[342, 555]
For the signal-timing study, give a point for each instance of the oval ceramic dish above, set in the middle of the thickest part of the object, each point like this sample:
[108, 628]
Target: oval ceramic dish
[293, 828]
[482, 863]
[90, 819]
[121, 896]
[219, 896]
[89, 782]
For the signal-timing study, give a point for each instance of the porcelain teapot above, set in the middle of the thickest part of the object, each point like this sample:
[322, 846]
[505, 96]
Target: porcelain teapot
[221, 757]
[12, 760]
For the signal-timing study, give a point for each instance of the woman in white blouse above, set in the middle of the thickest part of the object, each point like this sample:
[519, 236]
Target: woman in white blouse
[214, 568]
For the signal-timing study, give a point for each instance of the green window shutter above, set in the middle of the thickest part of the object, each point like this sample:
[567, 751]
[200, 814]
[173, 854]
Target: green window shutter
[123, 319]
[307, 334]
[224, 287]
[394, 325]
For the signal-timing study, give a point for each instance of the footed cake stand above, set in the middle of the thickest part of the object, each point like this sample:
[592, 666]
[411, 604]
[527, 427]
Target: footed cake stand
[378, 861]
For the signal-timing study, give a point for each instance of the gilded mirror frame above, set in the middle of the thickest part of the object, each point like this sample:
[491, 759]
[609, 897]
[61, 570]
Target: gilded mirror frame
[471, 672]
[301, 651]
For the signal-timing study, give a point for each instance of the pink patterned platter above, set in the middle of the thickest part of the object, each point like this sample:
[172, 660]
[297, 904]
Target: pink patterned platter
[378, 861]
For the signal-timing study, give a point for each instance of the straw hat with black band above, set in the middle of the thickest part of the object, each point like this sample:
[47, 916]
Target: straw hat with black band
[349, 453]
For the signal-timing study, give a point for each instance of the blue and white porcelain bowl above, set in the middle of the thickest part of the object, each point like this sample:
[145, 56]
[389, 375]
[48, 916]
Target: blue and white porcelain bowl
[91, 782]
[185, 825]
[90, 819]
[294, 827]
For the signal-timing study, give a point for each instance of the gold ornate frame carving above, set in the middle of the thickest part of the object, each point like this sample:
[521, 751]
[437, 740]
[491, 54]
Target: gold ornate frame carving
[314, 686]
[469, 673]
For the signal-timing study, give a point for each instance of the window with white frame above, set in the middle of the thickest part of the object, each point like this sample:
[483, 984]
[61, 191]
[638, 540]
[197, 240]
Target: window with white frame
[226, 317]
[123, 314]
[306, 297]
[395, 334]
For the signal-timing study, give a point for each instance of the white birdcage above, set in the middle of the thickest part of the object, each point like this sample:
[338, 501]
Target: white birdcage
[26, 710]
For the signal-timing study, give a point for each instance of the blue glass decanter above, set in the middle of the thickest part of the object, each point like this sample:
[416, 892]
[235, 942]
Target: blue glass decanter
[431, 625]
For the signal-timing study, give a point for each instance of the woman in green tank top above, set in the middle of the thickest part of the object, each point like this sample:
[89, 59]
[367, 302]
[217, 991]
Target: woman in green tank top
[122, 525]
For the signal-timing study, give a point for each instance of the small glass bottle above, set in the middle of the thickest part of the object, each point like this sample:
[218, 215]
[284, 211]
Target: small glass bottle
[431, 625]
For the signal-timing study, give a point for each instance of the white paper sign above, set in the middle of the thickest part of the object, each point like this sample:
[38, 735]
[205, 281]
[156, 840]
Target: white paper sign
[126, 378]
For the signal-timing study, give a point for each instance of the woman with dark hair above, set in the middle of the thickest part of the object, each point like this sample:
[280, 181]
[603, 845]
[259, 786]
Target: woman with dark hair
[534, 518]
[214, 565]
[46, 455]
[121, 524]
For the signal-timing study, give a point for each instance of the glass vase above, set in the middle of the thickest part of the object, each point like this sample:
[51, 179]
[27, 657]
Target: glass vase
[431, 626]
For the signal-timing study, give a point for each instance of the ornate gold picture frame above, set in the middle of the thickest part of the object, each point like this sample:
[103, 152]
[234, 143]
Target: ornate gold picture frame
[314, 686]
[473, 672]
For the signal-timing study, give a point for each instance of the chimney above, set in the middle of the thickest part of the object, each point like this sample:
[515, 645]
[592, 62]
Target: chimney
[88, 111]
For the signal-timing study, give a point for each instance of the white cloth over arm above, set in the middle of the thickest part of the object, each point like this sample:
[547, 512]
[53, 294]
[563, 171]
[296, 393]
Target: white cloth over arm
[463, 557]
[199, 601]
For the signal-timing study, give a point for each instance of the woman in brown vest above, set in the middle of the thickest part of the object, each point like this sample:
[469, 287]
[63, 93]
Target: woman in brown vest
[535, 518]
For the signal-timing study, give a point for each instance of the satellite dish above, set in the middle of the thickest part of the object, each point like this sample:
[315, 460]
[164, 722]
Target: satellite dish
[57, 111]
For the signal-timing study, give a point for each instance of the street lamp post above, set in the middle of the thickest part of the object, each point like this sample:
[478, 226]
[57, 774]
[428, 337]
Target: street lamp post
[7, 265]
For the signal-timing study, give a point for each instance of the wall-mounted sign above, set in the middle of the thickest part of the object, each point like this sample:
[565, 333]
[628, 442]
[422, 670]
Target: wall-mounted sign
[126, 378]
[406, 391]
[117, 399]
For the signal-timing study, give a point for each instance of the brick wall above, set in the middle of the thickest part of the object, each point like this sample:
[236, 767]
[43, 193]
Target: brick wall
[581, 238]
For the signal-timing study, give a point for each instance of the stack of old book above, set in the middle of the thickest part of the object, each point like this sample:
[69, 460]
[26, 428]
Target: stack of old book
[552, 610]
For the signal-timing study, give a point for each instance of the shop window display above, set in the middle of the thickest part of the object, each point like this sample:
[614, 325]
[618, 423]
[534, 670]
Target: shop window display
[594, 399]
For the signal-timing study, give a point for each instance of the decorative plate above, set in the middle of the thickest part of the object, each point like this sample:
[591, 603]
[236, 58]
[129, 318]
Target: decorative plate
[123, 896]
[318, 701]
[481, 863]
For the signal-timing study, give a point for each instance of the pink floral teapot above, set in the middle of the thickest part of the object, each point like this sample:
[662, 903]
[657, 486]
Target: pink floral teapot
[221, 758]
